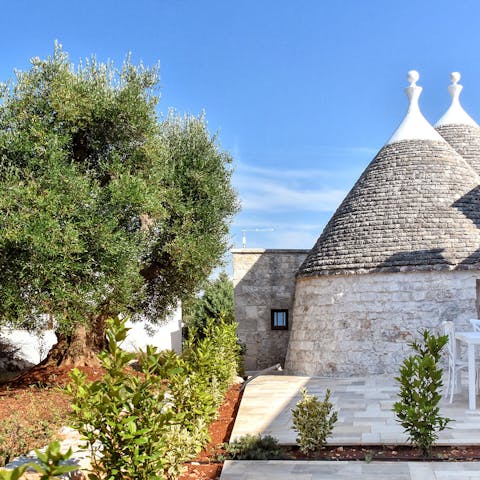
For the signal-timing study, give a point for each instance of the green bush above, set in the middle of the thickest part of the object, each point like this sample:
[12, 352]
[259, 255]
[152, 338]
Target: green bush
[50, 465]
[313, 420]
[420, 386]
[216, 302]
[14, 474]
[149, 424]
[184, 444]
[254, 447]
[197, 380]
[126, 413]
[216, 355]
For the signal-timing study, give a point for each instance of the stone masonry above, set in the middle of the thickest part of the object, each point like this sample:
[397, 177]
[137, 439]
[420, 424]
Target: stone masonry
[264, 280]
[347, 325]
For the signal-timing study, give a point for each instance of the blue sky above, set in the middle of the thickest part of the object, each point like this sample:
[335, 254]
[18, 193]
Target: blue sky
[302, 93]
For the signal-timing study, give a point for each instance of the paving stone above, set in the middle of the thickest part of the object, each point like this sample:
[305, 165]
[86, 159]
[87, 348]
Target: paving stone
[370, 421]
[312, 470]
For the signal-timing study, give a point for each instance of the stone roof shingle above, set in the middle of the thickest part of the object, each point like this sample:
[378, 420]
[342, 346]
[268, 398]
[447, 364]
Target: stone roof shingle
[415, 207]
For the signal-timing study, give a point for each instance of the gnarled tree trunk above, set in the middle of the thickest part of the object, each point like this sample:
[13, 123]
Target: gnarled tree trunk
[80, 348]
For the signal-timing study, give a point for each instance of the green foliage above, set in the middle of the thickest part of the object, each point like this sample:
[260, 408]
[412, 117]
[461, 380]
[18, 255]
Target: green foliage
[13, 474]
[104, 207]
[184, 444]
[216, 302]
[51, 464]
[198, 380]
[215, 354]
[420, 385]
[254, 447]
[150, 424]
[313, 420]
[198, 207]
[127, 414]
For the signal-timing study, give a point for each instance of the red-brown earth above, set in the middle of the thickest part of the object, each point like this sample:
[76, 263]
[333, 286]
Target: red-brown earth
[33, 399]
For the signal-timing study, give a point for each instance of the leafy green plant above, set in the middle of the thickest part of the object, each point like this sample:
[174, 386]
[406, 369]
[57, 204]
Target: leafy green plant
[313, 420]
[128, 414]
[254, 447]
[215, 354]
[183, 446]
[198, 380]
[50, 465]
[105, 207]
[216, 302]
[420, 386]
[13, 474]
[149, 424]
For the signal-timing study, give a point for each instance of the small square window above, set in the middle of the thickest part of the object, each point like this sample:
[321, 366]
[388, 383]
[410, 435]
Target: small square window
[279, 319]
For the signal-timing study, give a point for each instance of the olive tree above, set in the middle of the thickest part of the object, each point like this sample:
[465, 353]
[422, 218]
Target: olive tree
[105, 207]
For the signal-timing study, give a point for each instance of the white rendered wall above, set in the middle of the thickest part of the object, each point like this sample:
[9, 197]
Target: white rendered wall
[32, 348]
[361, 324]
[167, 336]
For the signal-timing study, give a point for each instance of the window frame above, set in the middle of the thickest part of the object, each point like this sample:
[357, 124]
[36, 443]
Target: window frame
[273, 311]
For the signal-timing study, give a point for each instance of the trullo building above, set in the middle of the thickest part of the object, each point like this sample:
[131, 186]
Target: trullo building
[400, 254]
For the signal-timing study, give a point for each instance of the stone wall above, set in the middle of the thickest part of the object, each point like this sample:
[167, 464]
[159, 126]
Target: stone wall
[264, 280]
[360, 324]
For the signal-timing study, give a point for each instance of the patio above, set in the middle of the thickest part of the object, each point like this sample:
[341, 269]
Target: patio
[364, 406]
[365, 417]
[306, 470]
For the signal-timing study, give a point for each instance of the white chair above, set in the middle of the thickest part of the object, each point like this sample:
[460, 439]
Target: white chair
[475, 322]
[455, 364]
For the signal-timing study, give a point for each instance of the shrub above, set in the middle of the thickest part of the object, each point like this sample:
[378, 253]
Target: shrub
[313, 420]
[254, 447]
[149, 424]
[216, 355]
[420, 385]
[197, 380]
[183, 446]
[128, 414]
[51, 464]
[14, 474]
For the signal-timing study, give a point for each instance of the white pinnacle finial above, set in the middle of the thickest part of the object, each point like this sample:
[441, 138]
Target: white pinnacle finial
[456, 115]
[412, 77]
[414, 126]
[455, 77]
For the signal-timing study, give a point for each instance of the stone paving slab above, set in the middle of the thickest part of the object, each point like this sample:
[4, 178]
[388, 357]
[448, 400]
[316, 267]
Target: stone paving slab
[322, 470]
[364, 405]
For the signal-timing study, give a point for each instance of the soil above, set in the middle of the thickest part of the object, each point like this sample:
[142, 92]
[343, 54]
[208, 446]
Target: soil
[390, 453]
[36, 387]
[207, 466]
[34, 395]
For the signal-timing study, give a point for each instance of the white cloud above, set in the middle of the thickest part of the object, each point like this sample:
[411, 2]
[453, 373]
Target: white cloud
[270, 195]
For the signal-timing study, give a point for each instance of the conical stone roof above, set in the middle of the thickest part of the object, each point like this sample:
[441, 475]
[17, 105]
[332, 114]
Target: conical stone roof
[415, 207]
[459, 129]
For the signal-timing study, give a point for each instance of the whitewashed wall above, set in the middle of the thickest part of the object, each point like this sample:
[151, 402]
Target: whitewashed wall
[167, 336]
[32, 348]
[362, 324]
[35, 348]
